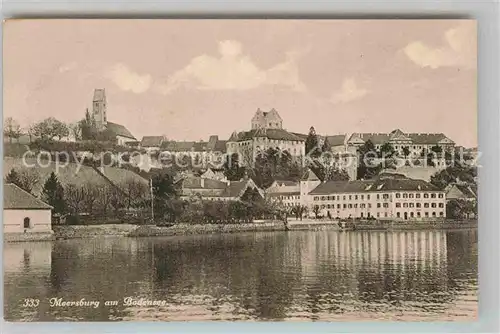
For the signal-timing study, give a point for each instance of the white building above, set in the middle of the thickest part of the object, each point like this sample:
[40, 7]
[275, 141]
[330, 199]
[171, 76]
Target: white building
[24, 213]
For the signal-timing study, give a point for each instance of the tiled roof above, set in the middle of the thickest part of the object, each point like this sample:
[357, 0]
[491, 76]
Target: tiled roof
[119, 130]
[380, 184]
[426, 138]
[276, 134]
[336, 140]
[16, 198]
[151, 141]
[99, 95]
[468, 191]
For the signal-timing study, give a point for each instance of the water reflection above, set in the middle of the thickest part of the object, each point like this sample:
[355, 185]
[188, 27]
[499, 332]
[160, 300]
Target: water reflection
[324, 275]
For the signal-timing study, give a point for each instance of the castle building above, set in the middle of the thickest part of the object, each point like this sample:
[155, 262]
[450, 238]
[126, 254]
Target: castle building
[267, 132]
[99, 112]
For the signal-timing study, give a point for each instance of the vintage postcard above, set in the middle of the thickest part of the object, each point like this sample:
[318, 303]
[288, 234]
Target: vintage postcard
[240, 170]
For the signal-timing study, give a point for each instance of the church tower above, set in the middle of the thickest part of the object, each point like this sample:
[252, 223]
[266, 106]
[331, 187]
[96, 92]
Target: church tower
[99, 109]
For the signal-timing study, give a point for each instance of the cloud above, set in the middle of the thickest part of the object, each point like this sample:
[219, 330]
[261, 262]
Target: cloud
[459, 49]
[67, 67]
[348, 92]
[128, 80]
[233, 70]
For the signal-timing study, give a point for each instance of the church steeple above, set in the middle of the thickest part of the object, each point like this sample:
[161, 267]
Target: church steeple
[99, 108]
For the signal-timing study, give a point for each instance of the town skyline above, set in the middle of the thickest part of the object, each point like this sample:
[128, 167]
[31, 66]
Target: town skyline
[419, 77]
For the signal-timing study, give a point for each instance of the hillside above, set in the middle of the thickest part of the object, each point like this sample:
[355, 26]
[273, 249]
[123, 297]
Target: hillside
[71, 175]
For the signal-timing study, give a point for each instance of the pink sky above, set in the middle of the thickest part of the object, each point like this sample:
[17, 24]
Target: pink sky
[188, 79]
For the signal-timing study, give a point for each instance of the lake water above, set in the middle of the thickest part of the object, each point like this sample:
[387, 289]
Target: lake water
[297, 275]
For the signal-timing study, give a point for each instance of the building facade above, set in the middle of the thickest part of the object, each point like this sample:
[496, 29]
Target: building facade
[24, 213]
[215, 190]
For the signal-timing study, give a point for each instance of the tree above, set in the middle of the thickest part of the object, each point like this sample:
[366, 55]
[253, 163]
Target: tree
[367, 168]
[164, 191]
[312, 147]
[76, 130]
[53, 193]
[452, 174]
[299, 210]
[13, 177]
[316, 211]
[326, 146]
[406, 151]
[232, 169]
[88, 127]
[50, 128]
[11, 129]
[28, 179]
[75, 197]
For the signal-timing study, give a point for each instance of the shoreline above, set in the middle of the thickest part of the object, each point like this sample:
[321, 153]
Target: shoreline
[140, 231]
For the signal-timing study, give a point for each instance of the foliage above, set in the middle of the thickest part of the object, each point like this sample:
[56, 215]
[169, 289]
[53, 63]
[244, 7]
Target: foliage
[451, 174]
[312, 146]
[164, 192]
[232, 169]
[274, 164]
[461, 208]
[328, 172]
[367, 168]
[11, 129]
[386, 150]
[50, 128]
[25, 178]
[299, 211]
[53, 193]
[406, 151]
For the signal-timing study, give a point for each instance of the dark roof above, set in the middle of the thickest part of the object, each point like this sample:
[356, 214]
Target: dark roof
[468, 191]
[416, 138]
[309, 176]
[301, 135]
[284, 193]
[194, 182]
[17, 198]
[99, 95]
[336, 140]
[276, 134]
[151, 141]
[286, 182]
[119, 130]
[385, 183]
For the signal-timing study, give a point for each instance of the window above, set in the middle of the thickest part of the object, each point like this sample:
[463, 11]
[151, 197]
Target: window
[369, 205]
[323, 206]
[338, 198]
[398, 205]
[315, 198]
[345, 206]
[350, 206]
[343, 197]
[362, 196]
[386, 205]
[426, 205]
[418, 205]
[378, 214]
[338, 206]
[328, 206]
[418, 215]
[441, 205]
[405, 195]
[378, 196]
[398, 195]
[410, 195]
[433, 205]
[427, 214]
[385, 196]
[27, 222]
[426, 195]
[405, 205]
[356, 206]
[350, 197]
[412, 215]
[355, 196]
[367, 196]
[322, 198]
[385, 214]
[440, 195]
[433, 214]
[433, 195]
[361, 214]
[398, 214]
[417, 195]
[378, 205]
[412, 205]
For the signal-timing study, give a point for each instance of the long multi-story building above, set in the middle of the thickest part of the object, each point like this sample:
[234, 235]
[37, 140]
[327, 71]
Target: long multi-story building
[415, 142]
[389, 196]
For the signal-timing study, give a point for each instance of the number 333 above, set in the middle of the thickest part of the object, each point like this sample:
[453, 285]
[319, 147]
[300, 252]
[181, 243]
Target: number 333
[31, 302]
